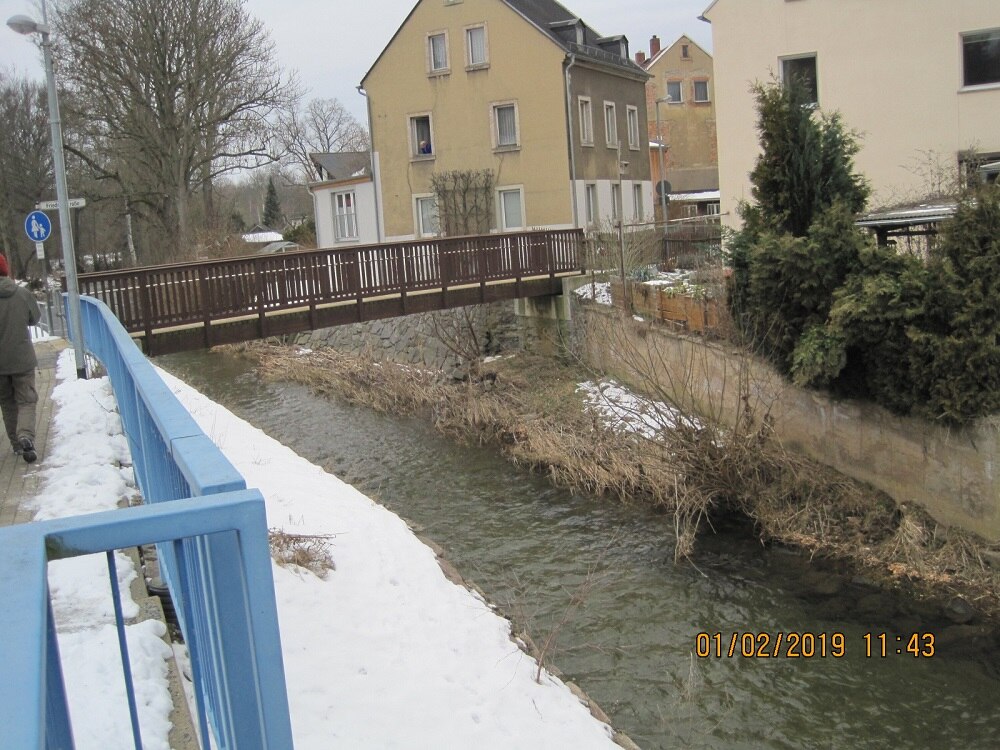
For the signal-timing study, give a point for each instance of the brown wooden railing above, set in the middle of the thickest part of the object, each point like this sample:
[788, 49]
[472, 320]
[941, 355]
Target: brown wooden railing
[235, 299]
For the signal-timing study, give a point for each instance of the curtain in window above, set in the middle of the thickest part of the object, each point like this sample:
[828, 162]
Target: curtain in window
[427, 210]
[346, 219]
[439, 52]
[510, 201]
[506, 126]
[477, 46]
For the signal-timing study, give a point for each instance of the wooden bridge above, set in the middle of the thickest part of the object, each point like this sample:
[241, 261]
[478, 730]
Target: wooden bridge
[178, 307]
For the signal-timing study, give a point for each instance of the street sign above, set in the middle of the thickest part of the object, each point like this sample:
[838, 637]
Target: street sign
[37, 226]
[54, 205]
[663, 187]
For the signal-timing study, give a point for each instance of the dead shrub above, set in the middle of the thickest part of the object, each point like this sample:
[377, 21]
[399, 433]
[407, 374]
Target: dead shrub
[308, 551]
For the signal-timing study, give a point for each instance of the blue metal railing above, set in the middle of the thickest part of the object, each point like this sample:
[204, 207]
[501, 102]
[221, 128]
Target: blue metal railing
[212, 538]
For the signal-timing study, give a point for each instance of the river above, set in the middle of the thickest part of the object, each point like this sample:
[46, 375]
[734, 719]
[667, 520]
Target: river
[598, 582]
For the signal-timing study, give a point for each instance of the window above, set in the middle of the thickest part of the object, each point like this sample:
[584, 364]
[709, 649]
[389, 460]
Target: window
[712, 209]
[616, 200]
[511, 210]
[421, 142]
[590, 200]
[637, 209]
[476, 54]
[427, 217]
[345, 217]
[610, 125]
[586, 122]
[632, 114]
[437, 53]
[701, 91]
[505, 125]
[981, 58]
[690, 210]
[686, 51]
[674, 92]
[803, 70]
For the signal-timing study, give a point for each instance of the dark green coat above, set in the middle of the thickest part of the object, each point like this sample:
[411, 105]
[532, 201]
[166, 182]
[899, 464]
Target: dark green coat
[18, 310]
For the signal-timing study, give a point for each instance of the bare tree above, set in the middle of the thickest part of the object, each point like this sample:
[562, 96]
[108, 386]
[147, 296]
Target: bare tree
[323, 127]
[172, 93]
[25, 161]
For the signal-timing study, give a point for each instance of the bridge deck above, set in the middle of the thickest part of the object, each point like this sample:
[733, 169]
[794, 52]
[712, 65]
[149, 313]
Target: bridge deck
[178, 307]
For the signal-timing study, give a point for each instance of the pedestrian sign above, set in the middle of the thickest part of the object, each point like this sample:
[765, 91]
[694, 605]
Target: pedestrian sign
[37, 226]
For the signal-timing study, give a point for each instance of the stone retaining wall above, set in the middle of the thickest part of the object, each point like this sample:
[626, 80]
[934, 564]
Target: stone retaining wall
[417, 339]
[949, 472]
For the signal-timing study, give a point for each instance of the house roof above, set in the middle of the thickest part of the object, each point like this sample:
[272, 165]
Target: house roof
[572, 34]
[560, 26]
[343, 165]
[924, 213]
[683, 38]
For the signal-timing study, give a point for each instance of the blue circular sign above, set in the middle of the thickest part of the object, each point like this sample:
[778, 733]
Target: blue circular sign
[37, 226]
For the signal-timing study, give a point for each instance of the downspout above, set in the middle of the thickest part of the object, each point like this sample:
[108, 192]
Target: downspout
[569, 140]
[376, 180]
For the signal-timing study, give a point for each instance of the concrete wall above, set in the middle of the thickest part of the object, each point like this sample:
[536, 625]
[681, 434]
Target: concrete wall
[950, 473]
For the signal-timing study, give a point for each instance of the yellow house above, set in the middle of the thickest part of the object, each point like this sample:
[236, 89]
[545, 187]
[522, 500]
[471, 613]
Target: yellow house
[515, 107]
[919, 81]
[680, 108]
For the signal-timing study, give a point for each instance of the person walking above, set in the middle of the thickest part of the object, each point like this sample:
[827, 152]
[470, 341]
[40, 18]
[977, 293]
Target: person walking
[18, 310]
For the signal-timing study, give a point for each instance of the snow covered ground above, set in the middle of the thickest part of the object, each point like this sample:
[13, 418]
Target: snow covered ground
[383, 653]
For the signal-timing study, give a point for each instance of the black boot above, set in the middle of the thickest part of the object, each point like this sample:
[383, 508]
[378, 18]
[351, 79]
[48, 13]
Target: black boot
[28, 450]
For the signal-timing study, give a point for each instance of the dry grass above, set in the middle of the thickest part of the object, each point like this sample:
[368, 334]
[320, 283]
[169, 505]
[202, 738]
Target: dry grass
[309, 552]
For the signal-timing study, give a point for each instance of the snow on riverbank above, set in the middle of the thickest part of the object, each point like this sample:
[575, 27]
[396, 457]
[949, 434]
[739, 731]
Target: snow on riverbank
[385, 652]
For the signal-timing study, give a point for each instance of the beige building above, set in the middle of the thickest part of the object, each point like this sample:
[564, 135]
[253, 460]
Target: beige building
[920, 81]
[680, 108]
[520, 89]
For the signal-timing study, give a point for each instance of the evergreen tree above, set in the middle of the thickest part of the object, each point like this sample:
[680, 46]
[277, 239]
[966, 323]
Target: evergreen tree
[798, 242]
[272, 206]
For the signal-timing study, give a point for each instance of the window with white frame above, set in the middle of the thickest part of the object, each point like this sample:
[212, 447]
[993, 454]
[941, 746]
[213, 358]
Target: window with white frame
[437, 52]
[674, 92]
[610, 125]
[345, 225]
[476, 50]
[701, 90]
[616, 200]
[421, 136]
[632, 115]
[712, 209]
[586, 121]
[427, 216]
[981, 58]
[590, 203]
[802, 70]
[638, 211]
[505, 125]
[511, 209]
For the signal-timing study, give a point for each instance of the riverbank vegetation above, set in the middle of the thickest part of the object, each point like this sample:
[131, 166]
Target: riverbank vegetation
[533, 410]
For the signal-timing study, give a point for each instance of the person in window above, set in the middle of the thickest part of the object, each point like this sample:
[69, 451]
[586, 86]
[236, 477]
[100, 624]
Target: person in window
[425, 147]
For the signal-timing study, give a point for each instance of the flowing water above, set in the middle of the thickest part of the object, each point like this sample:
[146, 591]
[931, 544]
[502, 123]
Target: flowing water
[626, 619]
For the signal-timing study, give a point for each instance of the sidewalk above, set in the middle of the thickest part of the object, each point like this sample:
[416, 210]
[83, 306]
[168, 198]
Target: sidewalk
[18, 480]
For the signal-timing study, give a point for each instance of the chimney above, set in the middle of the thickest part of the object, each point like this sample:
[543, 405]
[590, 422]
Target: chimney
[640, 59]
[654, 46]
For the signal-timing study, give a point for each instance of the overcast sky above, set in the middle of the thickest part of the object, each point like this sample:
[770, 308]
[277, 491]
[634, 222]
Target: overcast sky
[332, 43]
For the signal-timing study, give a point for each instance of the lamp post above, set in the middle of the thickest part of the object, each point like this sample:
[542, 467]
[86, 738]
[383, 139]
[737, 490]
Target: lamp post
[25, 25]
[661, 185]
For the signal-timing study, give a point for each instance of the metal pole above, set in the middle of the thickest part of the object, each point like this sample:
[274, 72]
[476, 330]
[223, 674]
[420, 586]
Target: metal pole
[62, 196]
[661, 184]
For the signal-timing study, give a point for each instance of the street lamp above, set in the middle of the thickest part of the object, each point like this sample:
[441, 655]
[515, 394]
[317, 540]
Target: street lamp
[662, 184]
[25, 25]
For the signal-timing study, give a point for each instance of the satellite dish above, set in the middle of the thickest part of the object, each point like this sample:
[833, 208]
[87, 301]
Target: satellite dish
[663, 189]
